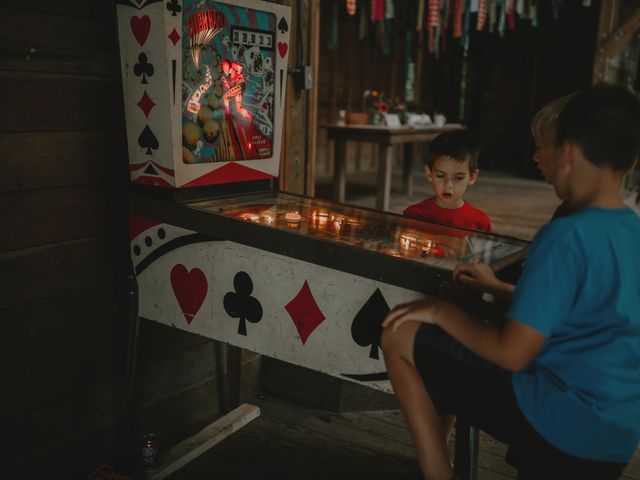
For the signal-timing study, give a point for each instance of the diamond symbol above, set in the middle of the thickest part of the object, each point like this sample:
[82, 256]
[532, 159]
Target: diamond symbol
[174, 36]
[304, 312]
[146, 104]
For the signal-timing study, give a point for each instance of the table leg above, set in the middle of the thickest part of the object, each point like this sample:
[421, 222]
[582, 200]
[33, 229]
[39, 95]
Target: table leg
[340, 171]
[409, 163]
[385, 162]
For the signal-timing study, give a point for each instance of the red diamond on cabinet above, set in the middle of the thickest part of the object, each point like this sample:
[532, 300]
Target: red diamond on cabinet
[304, 312]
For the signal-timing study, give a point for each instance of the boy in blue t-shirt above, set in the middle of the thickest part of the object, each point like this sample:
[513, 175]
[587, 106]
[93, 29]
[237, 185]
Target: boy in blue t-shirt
[559, 379]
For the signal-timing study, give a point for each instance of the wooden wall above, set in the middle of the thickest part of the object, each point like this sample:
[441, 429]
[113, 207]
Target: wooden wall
[509, 79]
[64, 257]
[62, 185]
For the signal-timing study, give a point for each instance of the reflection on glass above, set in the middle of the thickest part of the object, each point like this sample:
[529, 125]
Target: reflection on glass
[371, 230]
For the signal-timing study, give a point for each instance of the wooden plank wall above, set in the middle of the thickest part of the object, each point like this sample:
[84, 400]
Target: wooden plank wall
[509, 79]
[64, 252]
[355, 65]
[62, 162]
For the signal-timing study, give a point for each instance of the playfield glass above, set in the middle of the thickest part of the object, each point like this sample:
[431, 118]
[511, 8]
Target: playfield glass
[228, 82]
[380, 232]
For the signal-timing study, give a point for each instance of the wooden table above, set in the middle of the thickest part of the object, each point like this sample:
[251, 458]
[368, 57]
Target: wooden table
[386, 138]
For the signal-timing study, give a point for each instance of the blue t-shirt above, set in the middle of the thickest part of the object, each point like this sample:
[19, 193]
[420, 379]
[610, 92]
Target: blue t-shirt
[581, 289]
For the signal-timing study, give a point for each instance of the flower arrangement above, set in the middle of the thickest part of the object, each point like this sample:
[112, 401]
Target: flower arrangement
[376, 105]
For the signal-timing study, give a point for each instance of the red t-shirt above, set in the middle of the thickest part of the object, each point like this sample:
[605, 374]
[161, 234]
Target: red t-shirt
[466, 216]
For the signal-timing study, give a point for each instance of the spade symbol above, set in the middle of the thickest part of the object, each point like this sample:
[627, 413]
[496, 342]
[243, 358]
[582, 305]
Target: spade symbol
[240, 304]
[143, 67]
[366, 328]
[148, 140]
[173, 7]
[283, 26]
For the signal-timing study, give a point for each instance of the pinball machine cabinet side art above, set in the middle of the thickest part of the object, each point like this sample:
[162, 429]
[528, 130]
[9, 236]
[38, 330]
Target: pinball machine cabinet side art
[204, 89]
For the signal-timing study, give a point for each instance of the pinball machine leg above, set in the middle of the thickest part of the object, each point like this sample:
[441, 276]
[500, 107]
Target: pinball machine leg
[233, 375]
[466, 450]
[228, 378]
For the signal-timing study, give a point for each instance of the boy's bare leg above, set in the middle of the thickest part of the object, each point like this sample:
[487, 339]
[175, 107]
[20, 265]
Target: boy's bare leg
[425, 424]
[448, 421]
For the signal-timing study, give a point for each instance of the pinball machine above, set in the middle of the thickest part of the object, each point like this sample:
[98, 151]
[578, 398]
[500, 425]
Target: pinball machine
[217, 250]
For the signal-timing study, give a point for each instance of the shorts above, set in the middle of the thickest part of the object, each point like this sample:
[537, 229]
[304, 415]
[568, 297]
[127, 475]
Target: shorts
[462, 383]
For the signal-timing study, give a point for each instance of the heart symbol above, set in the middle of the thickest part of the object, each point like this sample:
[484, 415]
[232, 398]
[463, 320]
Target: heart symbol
[282, 48]
[190, 288]
[141, 28]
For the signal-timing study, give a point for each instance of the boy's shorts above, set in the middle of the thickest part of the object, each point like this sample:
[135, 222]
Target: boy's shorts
[462, 383]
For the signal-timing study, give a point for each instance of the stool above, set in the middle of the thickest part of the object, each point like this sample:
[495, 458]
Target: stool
[465, 457]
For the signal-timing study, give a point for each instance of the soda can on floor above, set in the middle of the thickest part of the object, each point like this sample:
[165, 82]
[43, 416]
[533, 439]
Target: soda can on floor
[149, 450]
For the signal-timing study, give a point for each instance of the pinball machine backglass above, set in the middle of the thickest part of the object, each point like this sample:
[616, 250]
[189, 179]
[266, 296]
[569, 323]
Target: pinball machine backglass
[204, 85]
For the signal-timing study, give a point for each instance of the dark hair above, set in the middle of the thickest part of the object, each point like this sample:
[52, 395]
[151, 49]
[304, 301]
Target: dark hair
[604, 121]
[459, 145]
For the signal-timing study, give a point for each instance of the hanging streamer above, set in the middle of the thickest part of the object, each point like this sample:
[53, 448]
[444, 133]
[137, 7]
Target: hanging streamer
[332, 38]
[463, 86]
[351, 7]
[457, 18]
[502, 22]
[511, 14]
[363, 27]
[482, 15]
[433, 23]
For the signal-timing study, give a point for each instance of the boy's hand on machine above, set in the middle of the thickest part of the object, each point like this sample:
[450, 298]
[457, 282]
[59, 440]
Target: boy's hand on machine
[477, 276]
[424, 311]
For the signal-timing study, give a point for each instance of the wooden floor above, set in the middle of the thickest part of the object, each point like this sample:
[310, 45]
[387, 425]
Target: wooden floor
[291, 441]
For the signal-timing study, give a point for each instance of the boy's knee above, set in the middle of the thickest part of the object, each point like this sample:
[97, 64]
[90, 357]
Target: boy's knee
[386, 340]
[398, 340]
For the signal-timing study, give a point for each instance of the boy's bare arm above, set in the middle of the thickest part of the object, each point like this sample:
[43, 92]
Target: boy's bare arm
[511, 346]
[479, 276]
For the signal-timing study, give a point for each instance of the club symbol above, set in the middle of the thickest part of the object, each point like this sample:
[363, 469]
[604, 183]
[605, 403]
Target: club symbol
[283, 26]
[174, 7]
[143, 67]
[240, 304]
[366, 328]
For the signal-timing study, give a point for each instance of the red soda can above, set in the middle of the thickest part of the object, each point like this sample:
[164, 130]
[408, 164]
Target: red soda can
[149, 449]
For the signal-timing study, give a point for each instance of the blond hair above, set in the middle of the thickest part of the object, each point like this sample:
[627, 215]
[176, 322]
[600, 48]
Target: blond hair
[544, 122]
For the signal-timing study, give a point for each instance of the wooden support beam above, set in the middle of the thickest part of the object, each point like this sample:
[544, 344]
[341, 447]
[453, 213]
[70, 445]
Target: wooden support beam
[611, 43]
[191, 448]
[312, 105]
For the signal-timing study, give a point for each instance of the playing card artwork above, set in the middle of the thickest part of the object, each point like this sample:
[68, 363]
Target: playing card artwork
[366, 328]
[190, 289]
[288, 309]
[204, 87]
[240, 304]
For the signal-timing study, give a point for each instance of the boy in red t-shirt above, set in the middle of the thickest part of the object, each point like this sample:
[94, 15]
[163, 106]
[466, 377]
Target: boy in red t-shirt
[452, 165]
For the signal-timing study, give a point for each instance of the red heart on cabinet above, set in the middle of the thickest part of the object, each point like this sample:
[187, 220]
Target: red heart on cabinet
[190, 289]
[282, 48]
[140, 26]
